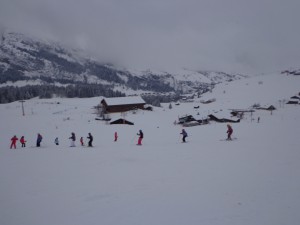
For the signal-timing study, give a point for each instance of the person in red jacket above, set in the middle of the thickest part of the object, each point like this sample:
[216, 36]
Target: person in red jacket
[13, 142]
[23, 142]
[229, 132]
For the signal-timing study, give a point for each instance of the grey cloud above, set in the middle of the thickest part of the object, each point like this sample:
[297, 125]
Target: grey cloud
[232, 35]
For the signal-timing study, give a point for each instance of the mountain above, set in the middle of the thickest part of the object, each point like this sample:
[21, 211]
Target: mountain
[28, 60]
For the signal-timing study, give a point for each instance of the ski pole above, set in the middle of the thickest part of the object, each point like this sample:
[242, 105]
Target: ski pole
[133, 139]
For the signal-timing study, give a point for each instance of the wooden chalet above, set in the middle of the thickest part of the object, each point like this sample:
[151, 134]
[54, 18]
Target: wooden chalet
[122, 104]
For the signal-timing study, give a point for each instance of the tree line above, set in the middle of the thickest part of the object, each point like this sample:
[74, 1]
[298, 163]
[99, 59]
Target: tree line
[12, 93]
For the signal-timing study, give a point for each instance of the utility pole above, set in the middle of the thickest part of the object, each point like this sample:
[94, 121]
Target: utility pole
[22, 102]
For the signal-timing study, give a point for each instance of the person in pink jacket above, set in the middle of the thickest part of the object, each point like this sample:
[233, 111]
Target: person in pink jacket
[141, 136]
[23, 142]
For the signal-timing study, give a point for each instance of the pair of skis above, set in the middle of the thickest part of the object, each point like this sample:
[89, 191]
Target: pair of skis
[232, 139]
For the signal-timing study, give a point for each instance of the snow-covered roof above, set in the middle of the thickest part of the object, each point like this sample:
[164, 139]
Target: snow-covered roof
[124, 100]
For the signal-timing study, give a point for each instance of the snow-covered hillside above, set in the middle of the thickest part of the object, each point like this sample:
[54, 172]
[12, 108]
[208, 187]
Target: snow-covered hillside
[26, 60]
[251, 180]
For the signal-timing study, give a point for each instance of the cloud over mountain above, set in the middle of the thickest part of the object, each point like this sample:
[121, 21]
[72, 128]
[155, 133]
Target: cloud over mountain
[233, 36]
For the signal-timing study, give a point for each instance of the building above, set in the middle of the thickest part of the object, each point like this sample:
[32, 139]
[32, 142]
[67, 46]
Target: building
[121, 121]
[122, 104]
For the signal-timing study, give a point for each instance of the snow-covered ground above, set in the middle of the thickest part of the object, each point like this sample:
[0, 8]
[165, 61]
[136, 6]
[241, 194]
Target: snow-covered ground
[251, 180]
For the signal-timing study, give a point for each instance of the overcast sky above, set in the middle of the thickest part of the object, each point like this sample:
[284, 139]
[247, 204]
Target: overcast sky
[246, 36]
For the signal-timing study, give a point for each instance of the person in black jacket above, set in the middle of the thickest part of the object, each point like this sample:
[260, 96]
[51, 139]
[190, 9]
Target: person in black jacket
[39, 140]
[184, 135]
[73, 139]
[90, 137]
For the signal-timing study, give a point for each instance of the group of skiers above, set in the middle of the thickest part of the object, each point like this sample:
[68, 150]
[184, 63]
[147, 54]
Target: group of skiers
[14, 139]
[229, 133]
[72, 138]
[39, 139]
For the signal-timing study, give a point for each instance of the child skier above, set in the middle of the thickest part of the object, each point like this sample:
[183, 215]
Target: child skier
[13, 142]
[81, 141]
[229, 132]
[141, 134]
[56, 141]
[184, 135]
[23, 142]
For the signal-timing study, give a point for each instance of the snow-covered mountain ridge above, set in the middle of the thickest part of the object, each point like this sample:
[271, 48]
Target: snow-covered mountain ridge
[30, 59]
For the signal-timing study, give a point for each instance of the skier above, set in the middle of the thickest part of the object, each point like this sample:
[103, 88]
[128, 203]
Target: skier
[229, 132]
[258, 119]
[91, 138]
[184, 135]
[81, 141]
[23, 142]
[13, 142]
[39, 140]
[116, 136]
[56, 141]
[73, 139]
[141, 134]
